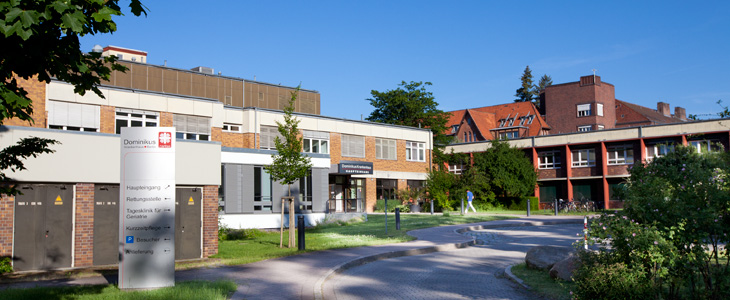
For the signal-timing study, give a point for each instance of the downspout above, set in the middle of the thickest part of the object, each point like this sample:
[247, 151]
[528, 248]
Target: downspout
[430, 156]
[255, 126]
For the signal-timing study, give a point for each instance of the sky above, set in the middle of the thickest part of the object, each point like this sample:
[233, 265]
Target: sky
[473, 52]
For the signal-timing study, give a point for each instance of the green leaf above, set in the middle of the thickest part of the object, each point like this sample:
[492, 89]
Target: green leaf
[29, 18]
[59, 6]
[105, 14]
[13, 13]
[70, 22]
[25, 34]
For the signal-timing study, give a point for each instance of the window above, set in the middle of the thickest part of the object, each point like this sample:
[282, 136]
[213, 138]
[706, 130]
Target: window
[465, 140]
[454, 128]
[305, 188]
[620, 155]
[231, 127]
[192, 127]
[705, 146]
[654, 151]
[73, 116]
[456, 168]
[529, 119]
[353, 145]
[549, 160]
[584, 110]
[385, 149]
[584, 157]
[261, 190]
[509, 135]
[316, 142]
[600, 127]
[135, 118]
[584, 128]
[267, 137]
[415, 151]
[599, 109]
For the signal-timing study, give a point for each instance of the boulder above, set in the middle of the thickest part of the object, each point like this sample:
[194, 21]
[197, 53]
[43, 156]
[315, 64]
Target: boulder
[565, 268]
[544, 257]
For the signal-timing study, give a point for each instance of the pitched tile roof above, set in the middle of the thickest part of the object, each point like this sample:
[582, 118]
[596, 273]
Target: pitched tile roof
[650, 114]
[488, 117]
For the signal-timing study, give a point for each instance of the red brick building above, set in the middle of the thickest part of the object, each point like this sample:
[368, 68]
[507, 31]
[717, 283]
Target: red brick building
[506, 121]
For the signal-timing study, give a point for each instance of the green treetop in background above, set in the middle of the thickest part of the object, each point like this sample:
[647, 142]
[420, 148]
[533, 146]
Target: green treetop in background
[509, 172]
[40, 39]
[526, 92]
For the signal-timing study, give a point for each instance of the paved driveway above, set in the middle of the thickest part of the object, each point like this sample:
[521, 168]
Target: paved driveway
[469, 273]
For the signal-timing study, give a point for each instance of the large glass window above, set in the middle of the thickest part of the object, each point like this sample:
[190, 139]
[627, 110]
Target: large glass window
[385, 149]
[192, 127]
[353, 145]
[305, 188]
[73, 116]
[583, 157]
[268, 136]
[261, 189]
[705, 146]
[509, 135]
[584, 128]
[620, 155]
[584, 110]
[386, 188]
[415, 151]
[549, 160]
[315, 142]
[135, 118]
[658, 150]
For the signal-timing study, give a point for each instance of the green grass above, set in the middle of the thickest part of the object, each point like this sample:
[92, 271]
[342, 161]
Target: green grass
[541, 283]
[192, 290]
[339, 235]
[543, 212]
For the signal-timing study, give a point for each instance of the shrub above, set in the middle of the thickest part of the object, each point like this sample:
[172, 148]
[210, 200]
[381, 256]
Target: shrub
[392, 204]
[239, 234]
[6, 265]
[613, 281]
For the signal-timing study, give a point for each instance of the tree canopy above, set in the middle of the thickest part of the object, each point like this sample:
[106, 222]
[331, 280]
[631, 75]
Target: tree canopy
[410, 105]
[526, 92]
[509, 172]
[544, 82]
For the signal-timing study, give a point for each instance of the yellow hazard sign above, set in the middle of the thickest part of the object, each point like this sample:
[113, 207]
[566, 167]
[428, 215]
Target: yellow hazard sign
[59, 201]
[190, 201]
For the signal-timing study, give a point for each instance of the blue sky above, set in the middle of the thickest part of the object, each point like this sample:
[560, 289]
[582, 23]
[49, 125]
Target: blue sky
[473, 52]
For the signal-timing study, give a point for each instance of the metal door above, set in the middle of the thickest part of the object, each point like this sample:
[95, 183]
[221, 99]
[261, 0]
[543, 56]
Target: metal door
[106, 224]
[188, 223]
[43, 227]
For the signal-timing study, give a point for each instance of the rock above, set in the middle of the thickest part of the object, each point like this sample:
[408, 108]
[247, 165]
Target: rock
[544, 257]
[565, 268]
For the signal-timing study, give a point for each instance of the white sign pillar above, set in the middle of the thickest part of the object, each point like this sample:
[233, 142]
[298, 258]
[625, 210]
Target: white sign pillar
[147, 208]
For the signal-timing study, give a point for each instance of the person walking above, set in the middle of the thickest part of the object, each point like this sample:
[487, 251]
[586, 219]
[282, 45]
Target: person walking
[469, 198]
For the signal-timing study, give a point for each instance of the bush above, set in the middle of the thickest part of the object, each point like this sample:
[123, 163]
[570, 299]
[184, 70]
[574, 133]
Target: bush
[238, 234]
[392, 204]
[613, 281]
[6, 265]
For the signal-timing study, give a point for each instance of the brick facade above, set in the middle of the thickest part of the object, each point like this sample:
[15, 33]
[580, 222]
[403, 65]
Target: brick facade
[7, 207]
[36, 93]
[210, 220]
[561, 101]
[166, 119]
[84, 227]
[398, 165]
[107, 119]
[216, 134]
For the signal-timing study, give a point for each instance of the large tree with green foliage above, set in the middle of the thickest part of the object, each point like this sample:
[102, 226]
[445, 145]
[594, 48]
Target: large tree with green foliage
[40, 41]
[410, 105]
[545, 81]
[509, 172]
[526, 92]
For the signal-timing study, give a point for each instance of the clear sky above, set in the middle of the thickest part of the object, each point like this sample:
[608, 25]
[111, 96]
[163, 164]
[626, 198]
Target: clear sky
[473, 52]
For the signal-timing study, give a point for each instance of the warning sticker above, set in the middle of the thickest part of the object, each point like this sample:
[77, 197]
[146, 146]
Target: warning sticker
[59, 201]
[191, 202]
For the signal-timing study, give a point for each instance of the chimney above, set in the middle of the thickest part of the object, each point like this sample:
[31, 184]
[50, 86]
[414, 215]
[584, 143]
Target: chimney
[590, 80]
[663, 108]
[680, 113]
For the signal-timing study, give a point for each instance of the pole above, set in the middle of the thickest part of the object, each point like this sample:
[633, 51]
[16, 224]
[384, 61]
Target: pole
[462, 206]
[397, 218]
[556, 207]
[300, 232]
[281, 230]
[528, 207]
[386, 215]
[585, 232]
[292, 240]
[431, 207]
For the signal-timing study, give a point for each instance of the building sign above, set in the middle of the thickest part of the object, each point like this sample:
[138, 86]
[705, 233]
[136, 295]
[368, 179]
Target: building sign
[147, 208]
[355, 167]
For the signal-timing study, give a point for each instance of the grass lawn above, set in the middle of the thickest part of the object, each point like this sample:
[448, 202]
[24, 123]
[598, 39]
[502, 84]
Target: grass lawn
[339, 235]
[192, 290]
[542, 284]
[543, 212]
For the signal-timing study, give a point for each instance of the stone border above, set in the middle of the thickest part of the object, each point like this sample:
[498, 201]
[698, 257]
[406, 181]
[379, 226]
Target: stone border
[319, 286]
[513, 277]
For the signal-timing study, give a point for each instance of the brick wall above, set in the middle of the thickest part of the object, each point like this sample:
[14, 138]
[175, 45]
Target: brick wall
[371, 194]
[561, 102]
[7, 205]
[233, 140]
[166, 119]
[36, 93]
[399, 165]
[84, 228]
[216, 134]
[107, 119]
[210, 220]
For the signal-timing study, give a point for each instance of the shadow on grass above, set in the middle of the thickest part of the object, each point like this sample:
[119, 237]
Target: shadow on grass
[221, 289]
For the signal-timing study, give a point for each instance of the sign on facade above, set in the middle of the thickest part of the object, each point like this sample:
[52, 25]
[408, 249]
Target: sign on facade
[147, 208]
[355, 167]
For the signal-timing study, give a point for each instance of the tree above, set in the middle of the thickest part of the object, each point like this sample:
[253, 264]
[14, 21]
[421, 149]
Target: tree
[544, 82]
[410, 105]
[509, 172]
[40, 41]
[289, 164]
[526, 92]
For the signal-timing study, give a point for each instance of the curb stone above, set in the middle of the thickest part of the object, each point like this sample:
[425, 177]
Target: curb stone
[508, 272]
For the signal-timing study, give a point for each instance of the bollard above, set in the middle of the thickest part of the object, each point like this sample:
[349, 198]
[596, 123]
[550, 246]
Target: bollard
[585, 232]
[556, 207]
[528, 207]
[386, 215]
[432, 207]
[462, 206]
[300, 232]
[397, 218]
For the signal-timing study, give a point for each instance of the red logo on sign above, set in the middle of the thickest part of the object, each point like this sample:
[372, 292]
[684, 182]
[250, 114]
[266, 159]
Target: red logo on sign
[165, 140]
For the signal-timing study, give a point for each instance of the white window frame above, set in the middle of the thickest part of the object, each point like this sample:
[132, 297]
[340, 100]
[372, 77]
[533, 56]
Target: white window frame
[191, 127]
[599, 109]
[509, 135]
[705, 146]
[415, 151]
[386, 149]
[353, 146]
[315, 142]
[73, 116]
[230, 127]
[549, 160]
[130, 116]
[584, 110]
[620, 155]
[585, 128]
[600, 127]
[456, 168]
[657, 150]
[582, 158]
